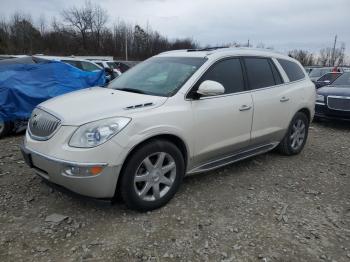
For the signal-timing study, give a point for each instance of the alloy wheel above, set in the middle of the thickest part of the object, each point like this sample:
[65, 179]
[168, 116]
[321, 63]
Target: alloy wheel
[155, 176]
[298, 133]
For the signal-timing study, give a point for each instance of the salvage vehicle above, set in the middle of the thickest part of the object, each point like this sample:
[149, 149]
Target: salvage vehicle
[333, 101]
[327, 79]
[177, 113]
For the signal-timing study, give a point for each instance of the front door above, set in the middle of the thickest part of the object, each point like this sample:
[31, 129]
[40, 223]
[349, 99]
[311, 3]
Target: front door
[222, 123]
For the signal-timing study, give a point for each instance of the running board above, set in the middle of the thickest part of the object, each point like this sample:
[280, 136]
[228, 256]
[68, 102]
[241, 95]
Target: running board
[233, 158]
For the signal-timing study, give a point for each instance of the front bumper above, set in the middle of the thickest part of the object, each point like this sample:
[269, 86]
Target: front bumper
[322, 111]
[52, 169]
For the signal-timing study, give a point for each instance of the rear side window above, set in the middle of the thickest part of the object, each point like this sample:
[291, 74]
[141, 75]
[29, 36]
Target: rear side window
[293, 70]
[227, 72]
[259, 72]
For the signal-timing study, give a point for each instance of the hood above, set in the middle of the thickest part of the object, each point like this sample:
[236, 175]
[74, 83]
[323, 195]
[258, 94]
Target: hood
[92, 104]
[334, 90]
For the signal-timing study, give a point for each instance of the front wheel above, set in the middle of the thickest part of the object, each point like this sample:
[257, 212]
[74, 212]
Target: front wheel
[295, 139]
[152, 175]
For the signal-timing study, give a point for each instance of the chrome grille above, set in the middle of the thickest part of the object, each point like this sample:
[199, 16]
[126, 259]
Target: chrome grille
[338, 103]
[42, 125]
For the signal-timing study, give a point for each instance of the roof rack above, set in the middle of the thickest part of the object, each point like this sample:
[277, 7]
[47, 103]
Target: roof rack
[206, 49]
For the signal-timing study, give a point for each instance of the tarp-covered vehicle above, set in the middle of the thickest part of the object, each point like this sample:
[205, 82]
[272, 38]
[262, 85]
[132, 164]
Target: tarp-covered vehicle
[26, 82]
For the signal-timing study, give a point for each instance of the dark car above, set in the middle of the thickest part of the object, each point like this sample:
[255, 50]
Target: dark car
[333, 101]
[327, 79]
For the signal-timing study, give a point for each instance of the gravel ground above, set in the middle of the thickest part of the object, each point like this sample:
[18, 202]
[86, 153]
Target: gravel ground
[268, 208]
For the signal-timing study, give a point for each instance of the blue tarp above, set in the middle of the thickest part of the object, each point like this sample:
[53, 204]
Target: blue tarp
[24, 86]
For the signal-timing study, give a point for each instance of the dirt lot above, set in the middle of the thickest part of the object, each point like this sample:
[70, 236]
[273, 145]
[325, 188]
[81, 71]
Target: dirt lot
[268, 208]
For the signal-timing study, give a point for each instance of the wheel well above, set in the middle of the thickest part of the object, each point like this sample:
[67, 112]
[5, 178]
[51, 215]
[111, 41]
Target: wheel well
[306, 112]
[171, 138]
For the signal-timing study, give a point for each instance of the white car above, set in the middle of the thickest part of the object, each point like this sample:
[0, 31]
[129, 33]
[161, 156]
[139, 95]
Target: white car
[178, 113]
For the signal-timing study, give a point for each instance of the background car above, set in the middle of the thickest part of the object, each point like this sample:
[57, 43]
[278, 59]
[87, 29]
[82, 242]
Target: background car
[108, 64]
[333, 101]
[327, 79]
[316, 73]
[82, 64]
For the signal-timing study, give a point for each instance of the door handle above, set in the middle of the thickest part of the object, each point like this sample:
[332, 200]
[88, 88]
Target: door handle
[284, 99]
[245, 108]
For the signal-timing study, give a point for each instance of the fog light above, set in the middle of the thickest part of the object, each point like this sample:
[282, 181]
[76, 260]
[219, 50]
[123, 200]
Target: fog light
[83, 171]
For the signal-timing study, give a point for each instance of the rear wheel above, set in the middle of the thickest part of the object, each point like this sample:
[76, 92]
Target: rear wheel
[295, 139]
[152, 175]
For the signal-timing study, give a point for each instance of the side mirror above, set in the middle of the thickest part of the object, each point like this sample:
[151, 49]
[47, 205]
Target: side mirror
[210, 88]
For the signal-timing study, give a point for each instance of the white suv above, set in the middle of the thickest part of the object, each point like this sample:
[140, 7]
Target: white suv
[180, 112]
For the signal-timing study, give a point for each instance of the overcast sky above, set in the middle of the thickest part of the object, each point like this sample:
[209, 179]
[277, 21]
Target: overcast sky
[283, 24]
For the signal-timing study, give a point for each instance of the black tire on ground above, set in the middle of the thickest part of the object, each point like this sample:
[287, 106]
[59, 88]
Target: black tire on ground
[130, 168]
[285, 147]
[5, 128]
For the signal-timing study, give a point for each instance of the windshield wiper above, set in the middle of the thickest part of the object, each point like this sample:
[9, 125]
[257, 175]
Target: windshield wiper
[132, 90]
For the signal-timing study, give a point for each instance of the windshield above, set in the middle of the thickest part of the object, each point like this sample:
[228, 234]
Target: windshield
[161, 76]
[317, 72]
[329, 76]
[343, 80]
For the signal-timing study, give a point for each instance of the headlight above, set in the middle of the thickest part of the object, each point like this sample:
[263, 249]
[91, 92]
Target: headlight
[320, 99]
[98, 132]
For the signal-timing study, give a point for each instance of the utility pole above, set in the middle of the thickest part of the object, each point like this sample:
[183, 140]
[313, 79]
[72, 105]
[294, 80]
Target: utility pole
[248, 42]
[333, 51]
[126, 45]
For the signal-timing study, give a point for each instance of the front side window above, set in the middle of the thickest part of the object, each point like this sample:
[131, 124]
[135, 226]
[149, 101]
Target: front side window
[259, 72]
[161, 76]
[227, 72]
[293, 70]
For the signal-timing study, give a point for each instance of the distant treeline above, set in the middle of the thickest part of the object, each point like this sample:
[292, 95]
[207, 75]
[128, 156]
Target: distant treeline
[83, 31]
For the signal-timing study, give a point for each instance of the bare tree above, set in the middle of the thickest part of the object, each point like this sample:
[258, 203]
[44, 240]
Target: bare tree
[81, 19]
[100, 18]
[327, 58]
[304, 57]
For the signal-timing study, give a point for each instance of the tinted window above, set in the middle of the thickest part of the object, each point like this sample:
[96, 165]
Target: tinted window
[228, 73]
[259, 72]
[292, 70]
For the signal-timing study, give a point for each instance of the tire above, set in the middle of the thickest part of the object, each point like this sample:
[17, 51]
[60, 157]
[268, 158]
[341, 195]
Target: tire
[144, 172]
[288, 146]
[5, 128]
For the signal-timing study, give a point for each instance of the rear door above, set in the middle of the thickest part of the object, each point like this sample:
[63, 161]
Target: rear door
[271, 100]
[223, 122]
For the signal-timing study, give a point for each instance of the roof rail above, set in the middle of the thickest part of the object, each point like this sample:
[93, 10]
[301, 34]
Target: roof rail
[206, 48]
